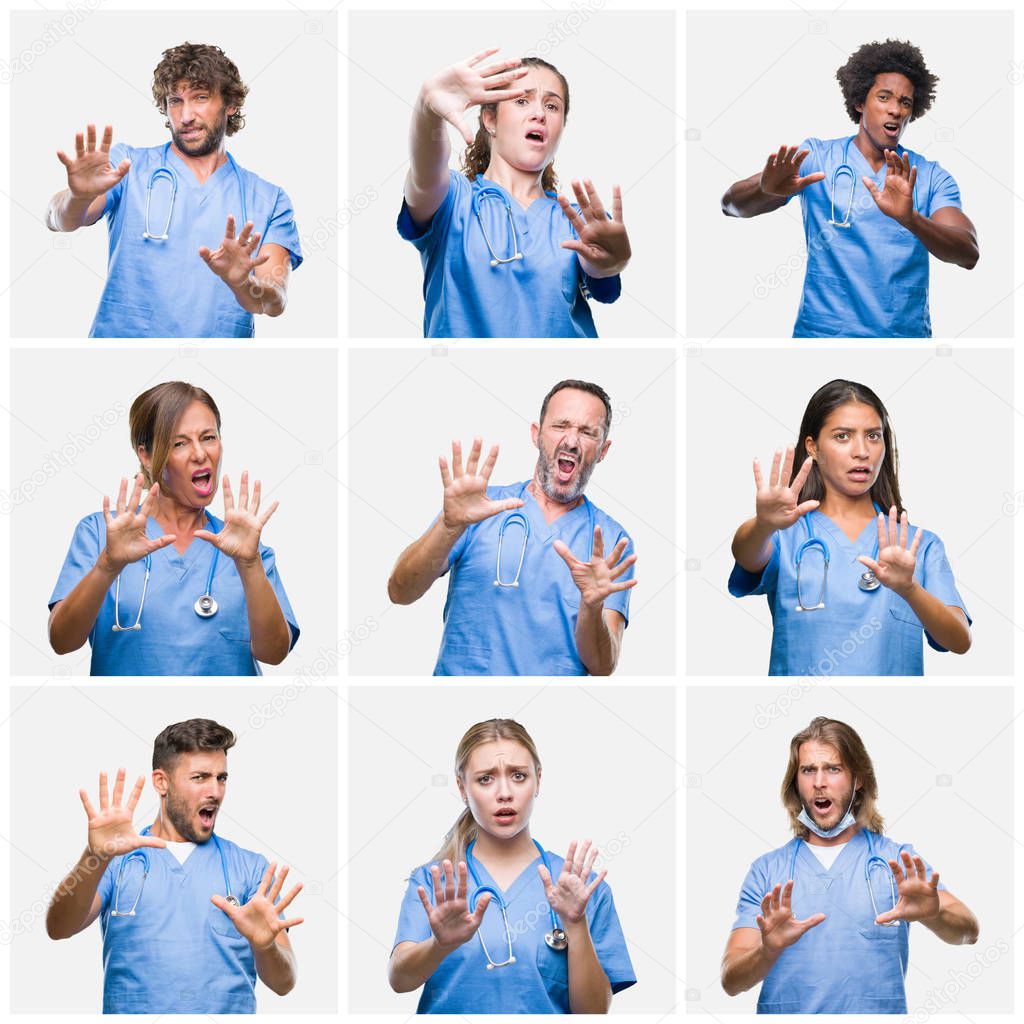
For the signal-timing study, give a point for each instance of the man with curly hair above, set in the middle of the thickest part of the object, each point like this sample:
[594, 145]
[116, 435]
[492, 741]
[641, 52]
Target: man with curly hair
[872, 210]
[166, 205]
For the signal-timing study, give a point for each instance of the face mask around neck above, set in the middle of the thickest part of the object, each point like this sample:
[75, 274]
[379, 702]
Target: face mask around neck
[845, 822]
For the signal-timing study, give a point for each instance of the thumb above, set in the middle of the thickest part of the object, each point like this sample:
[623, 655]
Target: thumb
[811, 922]
[453, 119]
[205, 253]
[481, 908]
[154, 841]
[810, 179]
[871, 187]
[222, 904]
[123, 168]
[889, 915]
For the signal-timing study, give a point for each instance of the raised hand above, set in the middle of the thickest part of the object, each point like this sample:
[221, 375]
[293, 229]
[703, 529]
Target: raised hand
[111, 832]
[465, 493]
[239, 537]
[896, 197]
[603, 245]
[919, 894]
[778, 502]
[779, 928]
[232, 261]
[451, 92]
[449, 916]
[896, 561]
[597, 578]
[257, 920]
[781, 174]
[568, 897]
[126, 532]
[90, 174]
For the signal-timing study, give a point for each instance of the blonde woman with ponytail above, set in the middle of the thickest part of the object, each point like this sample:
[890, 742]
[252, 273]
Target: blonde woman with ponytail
[504, 255]
[496, 924]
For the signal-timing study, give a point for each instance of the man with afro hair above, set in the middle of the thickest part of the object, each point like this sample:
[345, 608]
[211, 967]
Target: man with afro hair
[872, 210]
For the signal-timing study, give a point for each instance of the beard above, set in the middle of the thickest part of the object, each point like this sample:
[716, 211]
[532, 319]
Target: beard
[207, 142]
[179, 816]
[547, 476]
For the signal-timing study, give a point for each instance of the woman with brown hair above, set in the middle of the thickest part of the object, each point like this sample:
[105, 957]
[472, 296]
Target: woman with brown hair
[503, 254]
[851, 586]
[206, 615]
[548, 934]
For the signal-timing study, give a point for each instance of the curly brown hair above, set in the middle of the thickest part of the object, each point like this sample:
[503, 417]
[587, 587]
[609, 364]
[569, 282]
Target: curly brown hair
[857, 75]
[477, 157]
[202, 66]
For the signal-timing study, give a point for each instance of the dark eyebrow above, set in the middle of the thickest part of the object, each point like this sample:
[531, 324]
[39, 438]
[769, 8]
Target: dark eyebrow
[557, 96]
[850, 430]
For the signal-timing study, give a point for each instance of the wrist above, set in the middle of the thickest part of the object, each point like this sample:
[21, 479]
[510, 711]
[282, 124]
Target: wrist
[248, 566]
[442, 949]
[107, 566]
[907, 591]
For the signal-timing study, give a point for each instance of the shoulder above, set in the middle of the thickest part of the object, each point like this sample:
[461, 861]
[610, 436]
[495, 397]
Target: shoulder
[609, 526]
[263, 188]
[92, 525]
[238, 853]
[887, 847]
[515, 490]
[141, 155]
[764, 863]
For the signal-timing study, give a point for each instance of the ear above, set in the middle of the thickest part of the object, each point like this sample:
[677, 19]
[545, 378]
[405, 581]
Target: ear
[535, 433]
[462, 788]
[604, 450]
[538, 784]
[489, 119]
[145, 458]
[811, 447]
[161, 782]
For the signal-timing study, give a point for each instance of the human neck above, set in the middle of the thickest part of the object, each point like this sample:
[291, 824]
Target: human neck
[550, 508]
[178, 519]
[523, 186]
[843, 506]
[163, 829]
[844, 837]
[203, 166]
[874, 156]
[492, 850]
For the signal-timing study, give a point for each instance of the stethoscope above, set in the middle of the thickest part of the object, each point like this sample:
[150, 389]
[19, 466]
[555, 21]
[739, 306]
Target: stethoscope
[205, 607]
[493, 192]
[143, 853]
[843, 169]
[165, 172]
[556, 938]
[519, 518]
[868, 581]
[874, 860]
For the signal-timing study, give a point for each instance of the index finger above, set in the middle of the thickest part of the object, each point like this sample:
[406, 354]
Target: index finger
[595, 200]
[758, 480]
[229, 230]
[265, 881]
[108, 138]
[803, 473]
[136, 793]
[488, 467]
[477, 57]
[229, 496]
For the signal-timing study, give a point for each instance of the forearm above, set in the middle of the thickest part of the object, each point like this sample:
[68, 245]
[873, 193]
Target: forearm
[946, 625]
[275, 966]
[955, 925]
[589, 991]
[71, 903]
[742, 971]
[596, 645]
[597, 272]
[411, 967]
[429, 149]
[746, 198]
[73, 618]
[261, 295]
[66, 213]
[752, 545]
[269, 633]
[422, 562]
[946, 242]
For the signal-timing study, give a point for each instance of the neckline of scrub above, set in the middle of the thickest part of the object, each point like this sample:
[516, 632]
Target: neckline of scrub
[840, 534]
[539, 521]
[154, 531]
[865, 166]
[516, 204]
[189, 176]
[842, 853]
[516, 884]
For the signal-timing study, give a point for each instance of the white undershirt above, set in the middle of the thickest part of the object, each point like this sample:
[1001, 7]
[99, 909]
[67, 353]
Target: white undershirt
[826, 854]
[181, 850]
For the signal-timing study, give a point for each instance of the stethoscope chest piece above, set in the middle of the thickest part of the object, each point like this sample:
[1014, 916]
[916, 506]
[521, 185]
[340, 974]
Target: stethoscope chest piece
[233, 900]
[556, 939]
[206, 607]
[868, 581]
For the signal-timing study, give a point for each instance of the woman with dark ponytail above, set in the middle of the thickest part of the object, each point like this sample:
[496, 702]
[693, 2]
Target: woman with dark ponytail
[850, 584]
[547, 937]
[504, 255]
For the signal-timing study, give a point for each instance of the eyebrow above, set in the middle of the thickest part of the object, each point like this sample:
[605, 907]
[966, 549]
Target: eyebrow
[205, 430]
[493, 769]
[824, 764]
[556, 95]
[850, 430]
[902, 96]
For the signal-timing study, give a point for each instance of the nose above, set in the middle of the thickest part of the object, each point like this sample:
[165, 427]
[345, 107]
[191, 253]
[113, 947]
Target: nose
[860, 448]
[504, 789]
[197, 452]
[819, 780]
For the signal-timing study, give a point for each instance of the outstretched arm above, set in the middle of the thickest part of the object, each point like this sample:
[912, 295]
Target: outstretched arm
[90, 178]
[770, 188]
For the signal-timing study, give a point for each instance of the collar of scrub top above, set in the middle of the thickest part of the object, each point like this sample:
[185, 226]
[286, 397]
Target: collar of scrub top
[519, 518]
[166, 172]
[873, 860]
[143, 853]
[868, 581]
[205, 605]
[489, 190]
[556, 938]
[844, 169]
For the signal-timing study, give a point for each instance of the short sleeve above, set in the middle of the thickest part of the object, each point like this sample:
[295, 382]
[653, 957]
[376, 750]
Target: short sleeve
[413, 925]
[81, 557]
[118, 152]
[944, 190]
[258, 864]
[743, 583]
[432, 236]
[619, 601]
[282, 229]
[106, 886]
[937, 578]
[811, 164]
[270, 568]
[896, 849]
[753, 890]
[609, 942]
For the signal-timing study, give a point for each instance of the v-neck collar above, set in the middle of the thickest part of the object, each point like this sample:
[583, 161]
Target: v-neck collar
[837, 533]
[840, 860]
[544, 530]
[518, 883]
[517, 207]
[852, 147]
[188, 175]
[181, 560]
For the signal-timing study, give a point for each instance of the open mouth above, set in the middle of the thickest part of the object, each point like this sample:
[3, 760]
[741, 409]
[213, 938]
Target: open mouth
[535, 135]
[207, 815]
[860, 473]
[566, 467]
[506, 814]
[892, 129]
[823, 805]
[202, 481]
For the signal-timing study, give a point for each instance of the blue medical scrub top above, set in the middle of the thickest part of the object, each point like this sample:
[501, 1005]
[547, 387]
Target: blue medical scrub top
[179, 953]
[846, 964]
[869, 280]
[538, 982]
[529, 630]
[174, 640]
[856, 633]
[162, 288]
[539, 296]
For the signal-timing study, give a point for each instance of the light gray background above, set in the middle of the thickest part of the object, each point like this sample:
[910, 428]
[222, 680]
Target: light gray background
[774, 82]
[621, 130]
[953, 417]
[936, 756]
[395, 491]
[278, 414]
[608, 756]
[107, 727]
[103, 74]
